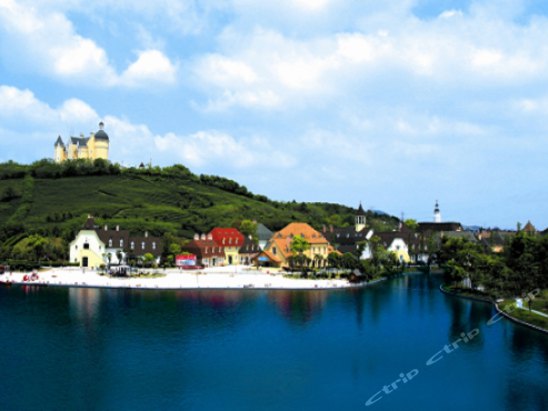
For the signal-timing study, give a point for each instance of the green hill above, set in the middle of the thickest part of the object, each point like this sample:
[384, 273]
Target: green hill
[54, 200]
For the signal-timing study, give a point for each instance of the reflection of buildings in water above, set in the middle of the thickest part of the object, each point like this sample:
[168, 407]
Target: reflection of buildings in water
[84, 304]
[298, 306]
[215, 299]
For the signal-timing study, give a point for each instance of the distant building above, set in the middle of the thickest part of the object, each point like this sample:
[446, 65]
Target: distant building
[353, 239]
[90, 148]
[94, 246]
[529, 228]
[437, 213]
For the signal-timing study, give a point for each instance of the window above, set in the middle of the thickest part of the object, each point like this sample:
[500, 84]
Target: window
[154, 245]
[121, 243]
[86, 246]
[110, 242]
[143, 245]
[132, 245]
[274, 250]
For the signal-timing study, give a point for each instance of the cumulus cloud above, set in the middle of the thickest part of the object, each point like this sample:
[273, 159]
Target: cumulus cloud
[207, 147]
[47, 42]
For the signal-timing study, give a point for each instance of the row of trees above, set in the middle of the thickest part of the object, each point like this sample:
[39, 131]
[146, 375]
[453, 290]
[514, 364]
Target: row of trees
[522, 267]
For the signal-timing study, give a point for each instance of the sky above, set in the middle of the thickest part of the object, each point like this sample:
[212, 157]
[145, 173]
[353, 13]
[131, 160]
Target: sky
[394, 103]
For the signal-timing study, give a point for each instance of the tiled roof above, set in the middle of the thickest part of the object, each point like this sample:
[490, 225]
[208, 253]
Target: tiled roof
[263, 232]
[227, 237]
[204, 248]
[302, 229]
[449, 226]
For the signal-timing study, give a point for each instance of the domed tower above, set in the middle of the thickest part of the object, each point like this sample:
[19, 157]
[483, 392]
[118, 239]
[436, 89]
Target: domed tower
[60, 153]
[101, 144]
[437, 213]
[360, 219]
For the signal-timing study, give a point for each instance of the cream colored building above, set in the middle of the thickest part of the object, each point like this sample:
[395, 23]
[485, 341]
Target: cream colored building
[90, 148]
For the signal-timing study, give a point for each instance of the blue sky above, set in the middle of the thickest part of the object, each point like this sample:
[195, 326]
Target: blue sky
[394, 103]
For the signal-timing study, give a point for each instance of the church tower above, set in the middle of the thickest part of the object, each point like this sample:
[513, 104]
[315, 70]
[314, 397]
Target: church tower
[360, 219]
[437, 213]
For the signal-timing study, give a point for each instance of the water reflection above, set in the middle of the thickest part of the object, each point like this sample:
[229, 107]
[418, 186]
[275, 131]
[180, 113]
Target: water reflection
[298, 307]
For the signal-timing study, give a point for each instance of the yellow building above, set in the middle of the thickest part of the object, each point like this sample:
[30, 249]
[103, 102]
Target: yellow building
[90, 148]
[278, 250]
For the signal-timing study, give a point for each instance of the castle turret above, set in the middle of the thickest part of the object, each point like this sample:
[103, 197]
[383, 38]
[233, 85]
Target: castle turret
[60, 151]
[360, 219]
[437, 213]
[100, 144]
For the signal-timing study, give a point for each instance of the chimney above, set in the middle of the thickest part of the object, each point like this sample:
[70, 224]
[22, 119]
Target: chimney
[203, 237]
[117, 228]
[210, 236]
[331, 227]
[106, 227]
[196, 236]
[146, 234]
[324, 228]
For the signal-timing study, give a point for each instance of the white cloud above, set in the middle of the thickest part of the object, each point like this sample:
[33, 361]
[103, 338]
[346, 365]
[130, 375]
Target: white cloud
[47, 42]
[205, 148]
[151, 67]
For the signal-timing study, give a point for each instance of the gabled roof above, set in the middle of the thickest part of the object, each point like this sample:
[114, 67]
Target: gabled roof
[205, 248]
[263, 232]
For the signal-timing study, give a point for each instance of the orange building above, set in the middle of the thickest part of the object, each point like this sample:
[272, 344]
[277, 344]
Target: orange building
[278, 250]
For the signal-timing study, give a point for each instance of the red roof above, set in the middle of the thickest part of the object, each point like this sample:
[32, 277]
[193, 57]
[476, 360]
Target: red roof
[227, 237]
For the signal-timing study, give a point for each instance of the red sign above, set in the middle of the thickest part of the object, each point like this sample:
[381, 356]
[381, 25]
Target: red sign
[185, 260]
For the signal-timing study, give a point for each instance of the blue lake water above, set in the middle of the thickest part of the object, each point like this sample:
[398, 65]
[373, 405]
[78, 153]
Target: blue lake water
[88, 349]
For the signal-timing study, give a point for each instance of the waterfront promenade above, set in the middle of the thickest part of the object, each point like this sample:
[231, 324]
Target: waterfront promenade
[231, 277]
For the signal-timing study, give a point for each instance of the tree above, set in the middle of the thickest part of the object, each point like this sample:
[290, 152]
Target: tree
[411, 224]
[298, 246]
[249, 228]
[148, 259]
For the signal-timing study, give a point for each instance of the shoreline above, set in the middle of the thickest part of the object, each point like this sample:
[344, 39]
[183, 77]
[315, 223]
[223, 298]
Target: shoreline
[499, 310]
[217, 278]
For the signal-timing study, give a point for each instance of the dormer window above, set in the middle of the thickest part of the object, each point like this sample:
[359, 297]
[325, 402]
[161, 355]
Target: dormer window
[154, 245]
[121, 243]
[132, 245]
[110, 242]
[143, 245]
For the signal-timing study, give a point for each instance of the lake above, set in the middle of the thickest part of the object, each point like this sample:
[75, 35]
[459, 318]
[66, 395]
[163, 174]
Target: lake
[389, 345]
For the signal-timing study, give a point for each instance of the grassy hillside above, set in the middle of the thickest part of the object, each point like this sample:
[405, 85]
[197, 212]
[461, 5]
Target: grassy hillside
[54, 201]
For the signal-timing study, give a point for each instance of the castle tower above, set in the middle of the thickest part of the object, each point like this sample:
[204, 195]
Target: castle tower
[360, 219]
[100, 144]
[60, 151]
[437, 213]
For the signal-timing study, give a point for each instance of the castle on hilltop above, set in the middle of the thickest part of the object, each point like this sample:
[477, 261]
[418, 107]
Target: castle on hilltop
[91, 148]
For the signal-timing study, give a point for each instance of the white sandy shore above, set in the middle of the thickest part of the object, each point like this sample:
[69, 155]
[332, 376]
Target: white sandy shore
[233, 277]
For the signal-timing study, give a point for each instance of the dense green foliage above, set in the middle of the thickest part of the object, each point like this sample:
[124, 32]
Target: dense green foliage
[53, 201]
[522, 267]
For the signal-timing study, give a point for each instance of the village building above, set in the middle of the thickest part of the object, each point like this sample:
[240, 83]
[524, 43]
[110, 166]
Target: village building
[263, 235]
[248, 251]
[352, 239]
[94, 247]
[278, 250]
[94, 147]
[231, 240]
[208, 253]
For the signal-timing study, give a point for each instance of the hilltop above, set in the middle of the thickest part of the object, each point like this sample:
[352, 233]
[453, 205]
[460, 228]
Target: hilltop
[54, 200]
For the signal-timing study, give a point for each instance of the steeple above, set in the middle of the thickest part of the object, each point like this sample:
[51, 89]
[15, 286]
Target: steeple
[360, 219]
[437, 213]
